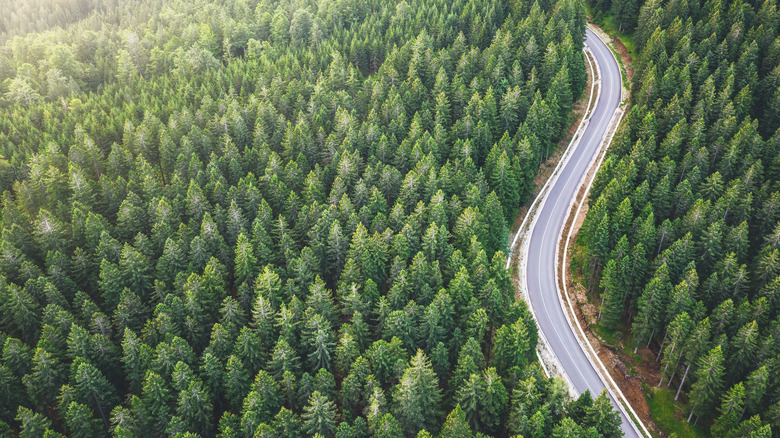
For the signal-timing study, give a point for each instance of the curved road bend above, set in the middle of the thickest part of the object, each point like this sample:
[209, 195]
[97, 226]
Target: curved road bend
[541, 276]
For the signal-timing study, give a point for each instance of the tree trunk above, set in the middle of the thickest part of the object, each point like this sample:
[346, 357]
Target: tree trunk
[650, 339]
[594, 272]
[663, 236]
[102, 415]
[662, 375]
[676, 365]
[688, 368]
[658, 357]
[690, 416]
[600, 307]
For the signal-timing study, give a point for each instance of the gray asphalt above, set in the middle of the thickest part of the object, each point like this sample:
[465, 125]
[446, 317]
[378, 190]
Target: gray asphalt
[541, 275]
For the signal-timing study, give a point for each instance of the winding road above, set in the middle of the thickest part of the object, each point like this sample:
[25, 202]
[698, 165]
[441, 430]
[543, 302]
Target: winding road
[545, 235]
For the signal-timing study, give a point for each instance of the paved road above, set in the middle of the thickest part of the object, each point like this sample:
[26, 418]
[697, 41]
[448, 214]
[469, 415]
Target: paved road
[541, 275]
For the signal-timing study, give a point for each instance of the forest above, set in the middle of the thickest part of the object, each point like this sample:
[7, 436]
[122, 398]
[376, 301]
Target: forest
[261, 218]
[682, 239]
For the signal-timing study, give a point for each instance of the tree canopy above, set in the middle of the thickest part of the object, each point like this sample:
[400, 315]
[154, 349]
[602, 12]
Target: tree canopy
[244, 218]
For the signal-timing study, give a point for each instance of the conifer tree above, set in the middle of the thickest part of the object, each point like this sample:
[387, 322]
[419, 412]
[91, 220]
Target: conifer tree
[731, 408]
[417, 396]
[319, 415]
[709, 381]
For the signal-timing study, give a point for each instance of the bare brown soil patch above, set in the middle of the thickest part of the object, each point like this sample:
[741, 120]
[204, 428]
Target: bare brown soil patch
[625, 58]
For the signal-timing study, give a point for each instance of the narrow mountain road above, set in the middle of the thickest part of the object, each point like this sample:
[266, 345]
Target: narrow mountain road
[541, 272]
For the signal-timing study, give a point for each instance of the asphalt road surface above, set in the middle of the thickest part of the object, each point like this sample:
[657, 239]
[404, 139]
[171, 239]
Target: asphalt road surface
[541, 275]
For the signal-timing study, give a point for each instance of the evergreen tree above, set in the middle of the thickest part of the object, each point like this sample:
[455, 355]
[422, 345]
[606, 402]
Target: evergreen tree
[602, 417]
[319, 415]
[417, 396]
[455, 426]
[709, 381]
[731, 408]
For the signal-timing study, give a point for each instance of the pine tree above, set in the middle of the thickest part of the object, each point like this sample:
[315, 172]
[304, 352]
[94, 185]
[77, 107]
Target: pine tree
[493, 402]
[286, 424]
[695, 347]
[261, 404]
[731, 409]
[93, 388]
[455, 426]
[32, 424]
[674, 347]
[742, 347]
[417, 397]
[755, 389]
[709, 382]
[319, 415]
[195, 407]
[45, 378]
[512, 347]
[155, 397]
[649, 18]
[236, 382]
[80, 421]
[603, 417]
[567, 428]
[651, 306]
[469, 394]
[388, 427]
[245, 262]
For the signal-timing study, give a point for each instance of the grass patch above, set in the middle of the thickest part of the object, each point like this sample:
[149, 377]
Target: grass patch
[607, 23]
[613, 337]
[611, 27]
[670, 415]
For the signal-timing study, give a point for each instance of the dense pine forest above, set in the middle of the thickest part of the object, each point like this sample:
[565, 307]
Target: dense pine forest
[682, 238]
[253, 218]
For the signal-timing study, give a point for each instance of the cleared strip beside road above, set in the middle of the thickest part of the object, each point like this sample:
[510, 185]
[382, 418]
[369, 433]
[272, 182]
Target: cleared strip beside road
[540, 258]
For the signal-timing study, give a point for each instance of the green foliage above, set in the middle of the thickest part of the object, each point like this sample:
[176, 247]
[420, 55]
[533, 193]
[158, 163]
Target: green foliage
[417, 396]
[455, 426]
[319, 415]
[667, 413]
